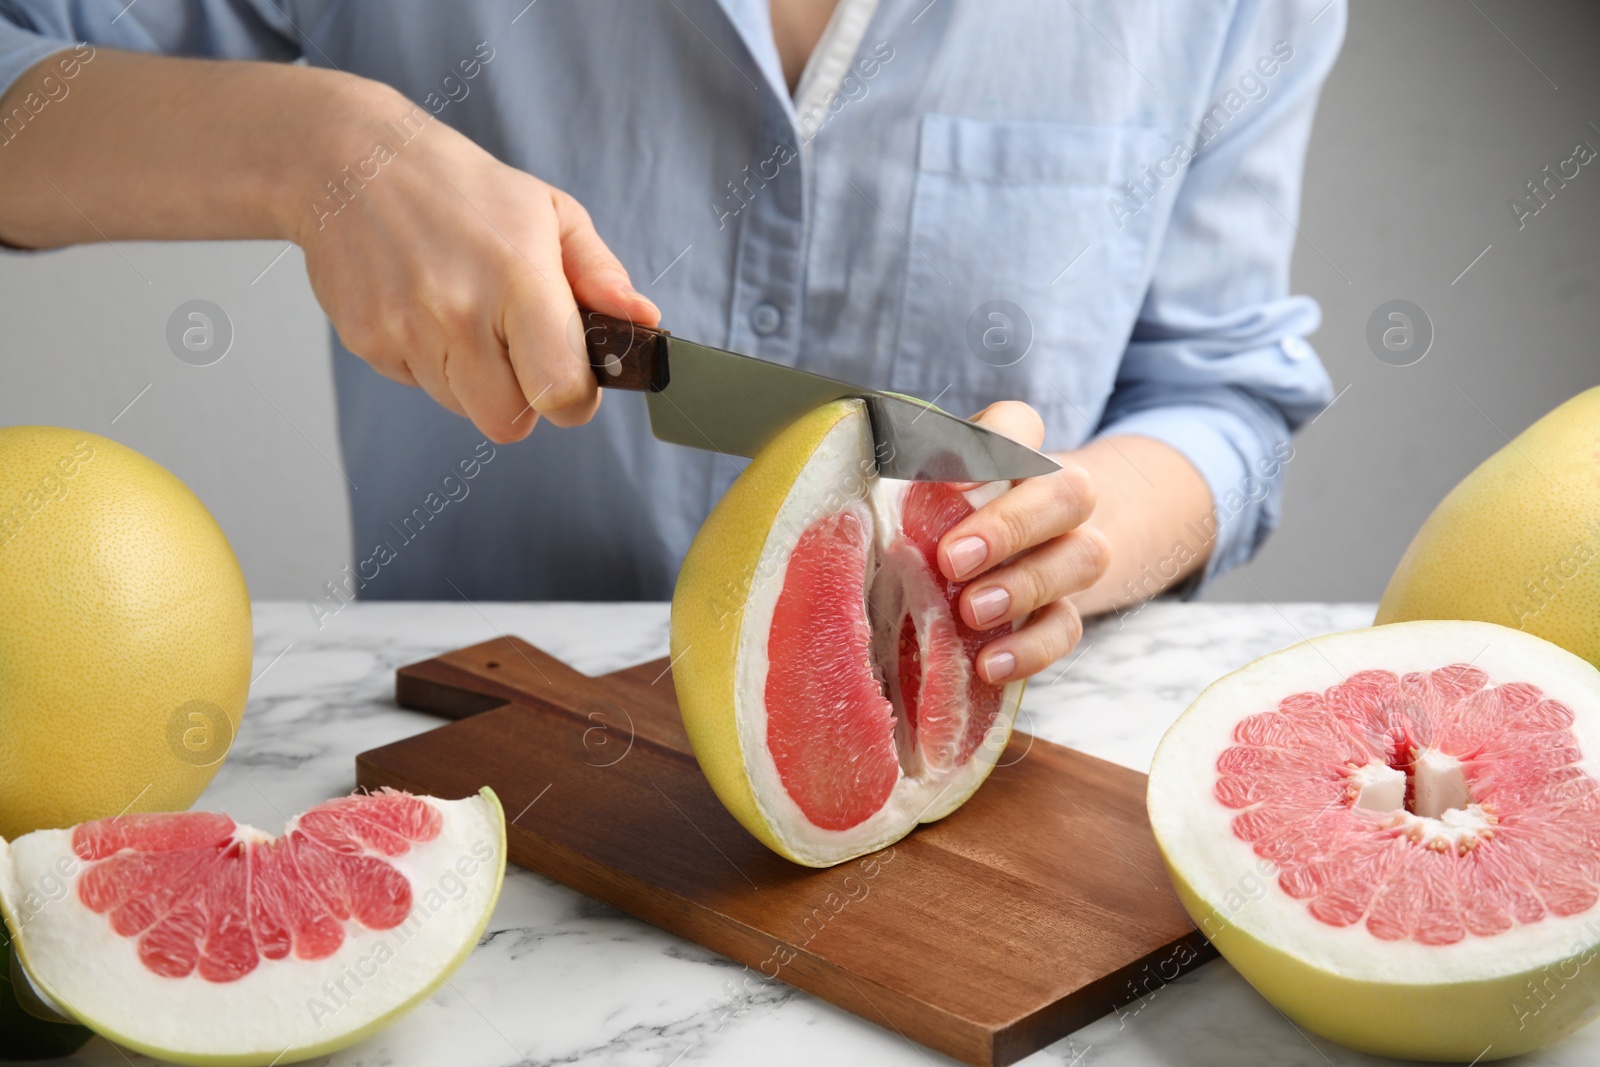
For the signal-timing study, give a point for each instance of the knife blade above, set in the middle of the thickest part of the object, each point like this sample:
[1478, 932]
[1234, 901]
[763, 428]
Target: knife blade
[714, 399]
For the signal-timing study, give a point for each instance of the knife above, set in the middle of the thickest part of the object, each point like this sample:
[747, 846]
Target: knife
[710, 398]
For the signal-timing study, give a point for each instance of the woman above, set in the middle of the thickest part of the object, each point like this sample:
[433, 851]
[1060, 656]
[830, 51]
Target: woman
[1074, 218]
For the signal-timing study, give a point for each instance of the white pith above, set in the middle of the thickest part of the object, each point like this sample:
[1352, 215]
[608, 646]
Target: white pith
[1440, 784]
[901, 589]
[1377, 787]
[1195, 833]
[1443, 815]
[79, 963]
[838, 478]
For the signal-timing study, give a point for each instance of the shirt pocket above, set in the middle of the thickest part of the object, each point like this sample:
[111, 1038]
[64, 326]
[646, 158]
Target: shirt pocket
[1024, 281]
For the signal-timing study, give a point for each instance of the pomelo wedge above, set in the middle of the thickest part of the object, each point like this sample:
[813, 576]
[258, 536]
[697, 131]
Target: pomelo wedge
[1394, 835]
[197, 940]
[826, 680]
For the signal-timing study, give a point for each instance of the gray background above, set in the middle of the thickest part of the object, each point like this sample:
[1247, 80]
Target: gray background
[1435, 116]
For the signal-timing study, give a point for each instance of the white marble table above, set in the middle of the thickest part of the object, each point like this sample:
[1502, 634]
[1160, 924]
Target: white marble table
[561, 979]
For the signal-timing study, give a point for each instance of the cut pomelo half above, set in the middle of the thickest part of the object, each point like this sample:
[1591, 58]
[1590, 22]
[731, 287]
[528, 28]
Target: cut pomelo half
[1394, 835]
[826, 680]
[193, 939]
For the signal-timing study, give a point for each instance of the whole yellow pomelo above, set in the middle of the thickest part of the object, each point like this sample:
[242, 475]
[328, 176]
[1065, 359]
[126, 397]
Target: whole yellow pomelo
[125, 639]
[1518, 541]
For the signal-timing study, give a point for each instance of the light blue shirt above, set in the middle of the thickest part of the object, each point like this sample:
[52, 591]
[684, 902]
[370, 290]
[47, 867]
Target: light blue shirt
[1083, 204]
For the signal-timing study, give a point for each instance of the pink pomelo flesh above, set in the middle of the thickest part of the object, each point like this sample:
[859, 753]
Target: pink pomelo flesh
[871, 670]
[203, 899]
[829, 724]
[1429, 806]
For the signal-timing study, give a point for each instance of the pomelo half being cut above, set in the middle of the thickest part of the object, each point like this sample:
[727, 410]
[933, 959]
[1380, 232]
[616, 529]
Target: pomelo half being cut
[826, 680]
[197, 940]
[1394, 835]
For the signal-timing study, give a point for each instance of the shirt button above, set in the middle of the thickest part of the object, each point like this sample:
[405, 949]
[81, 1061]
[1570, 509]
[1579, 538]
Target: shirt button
[1295, 348]
[765, 318]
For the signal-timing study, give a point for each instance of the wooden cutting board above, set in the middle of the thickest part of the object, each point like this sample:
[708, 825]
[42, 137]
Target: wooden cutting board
[1036, 908]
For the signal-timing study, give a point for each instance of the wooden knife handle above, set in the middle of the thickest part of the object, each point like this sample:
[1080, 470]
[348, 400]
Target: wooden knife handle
[623, 354]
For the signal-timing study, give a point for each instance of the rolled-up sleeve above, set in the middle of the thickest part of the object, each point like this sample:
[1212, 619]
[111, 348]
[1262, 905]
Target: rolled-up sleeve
[1217, 366]
[21, 46]
[30, 30]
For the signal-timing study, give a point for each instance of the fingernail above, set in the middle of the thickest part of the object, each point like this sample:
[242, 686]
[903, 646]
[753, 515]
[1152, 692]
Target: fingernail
[967, 555]
[998, 666]
[990, 604]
